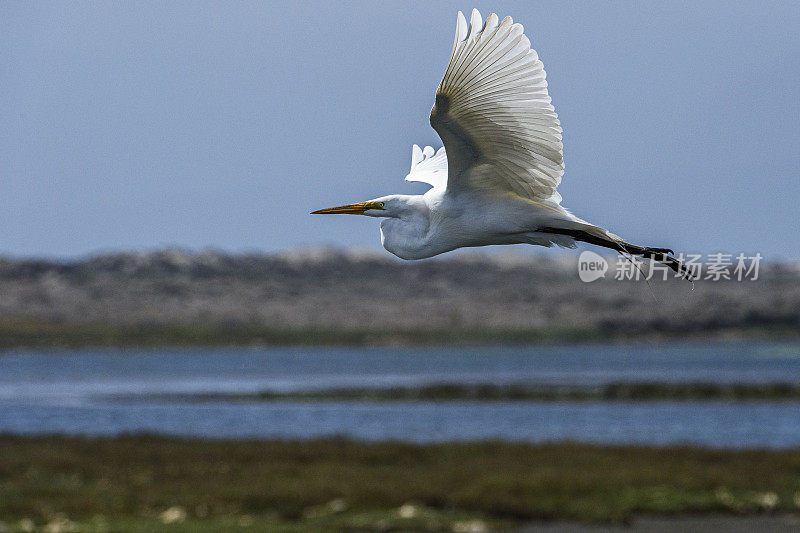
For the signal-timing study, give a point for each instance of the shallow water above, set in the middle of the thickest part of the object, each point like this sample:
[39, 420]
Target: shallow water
[107, 392]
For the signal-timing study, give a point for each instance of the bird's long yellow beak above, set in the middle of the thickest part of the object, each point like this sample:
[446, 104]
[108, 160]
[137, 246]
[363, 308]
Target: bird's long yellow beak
[350, 209]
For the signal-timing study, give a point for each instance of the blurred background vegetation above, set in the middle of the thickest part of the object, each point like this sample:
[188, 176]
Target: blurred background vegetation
[323, 296]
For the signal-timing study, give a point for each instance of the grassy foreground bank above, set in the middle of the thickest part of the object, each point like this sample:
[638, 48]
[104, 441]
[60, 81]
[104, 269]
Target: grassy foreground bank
[45, 334]
[147, 483]
[33, 333]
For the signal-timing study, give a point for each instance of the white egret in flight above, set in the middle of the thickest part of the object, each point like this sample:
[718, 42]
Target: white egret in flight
[495, 179]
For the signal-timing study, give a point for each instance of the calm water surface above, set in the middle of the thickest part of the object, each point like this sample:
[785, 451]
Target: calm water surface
[107, 392]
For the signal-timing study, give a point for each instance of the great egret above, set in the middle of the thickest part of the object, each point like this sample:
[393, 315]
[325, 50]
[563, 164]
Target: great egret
[494, 180]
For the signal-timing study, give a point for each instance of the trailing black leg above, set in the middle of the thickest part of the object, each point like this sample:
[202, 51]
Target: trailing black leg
[662, 255]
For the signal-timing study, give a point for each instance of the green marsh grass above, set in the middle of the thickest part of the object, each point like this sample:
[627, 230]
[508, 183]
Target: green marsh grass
[145, 483]
[618, 391]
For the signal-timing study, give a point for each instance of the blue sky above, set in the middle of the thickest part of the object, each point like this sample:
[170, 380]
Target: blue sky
[129, 125]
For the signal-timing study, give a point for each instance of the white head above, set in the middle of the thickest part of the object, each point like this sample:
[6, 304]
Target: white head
[405, 230]
[392, 206]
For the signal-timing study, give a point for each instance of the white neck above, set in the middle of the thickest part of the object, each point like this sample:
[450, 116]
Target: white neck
[406, 233]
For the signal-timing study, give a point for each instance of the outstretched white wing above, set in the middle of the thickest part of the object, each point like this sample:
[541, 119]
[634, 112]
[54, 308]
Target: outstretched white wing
[494, 115]
[428, 166]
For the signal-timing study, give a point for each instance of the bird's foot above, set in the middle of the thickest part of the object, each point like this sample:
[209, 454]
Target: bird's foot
[662, 251]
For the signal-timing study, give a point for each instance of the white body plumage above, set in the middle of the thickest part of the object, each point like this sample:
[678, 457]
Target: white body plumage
[438, 222]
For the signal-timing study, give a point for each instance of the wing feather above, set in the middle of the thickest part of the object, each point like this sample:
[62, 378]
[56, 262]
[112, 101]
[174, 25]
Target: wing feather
[428, 166]
[494, 114]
